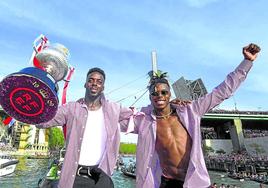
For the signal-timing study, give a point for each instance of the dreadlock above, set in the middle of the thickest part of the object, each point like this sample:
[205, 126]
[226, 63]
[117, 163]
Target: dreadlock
[156, 78]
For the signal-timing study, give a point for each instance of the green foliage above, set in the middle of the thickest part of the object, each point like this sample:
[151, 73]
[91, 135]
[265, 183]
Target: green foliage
[158, 74]
[56, 138]
[127, 148]
[27, 146]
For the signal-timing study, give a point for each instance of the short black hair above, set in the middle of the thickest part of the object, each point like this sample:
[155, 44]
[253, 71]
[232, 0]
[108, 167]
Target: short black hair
[96, 69]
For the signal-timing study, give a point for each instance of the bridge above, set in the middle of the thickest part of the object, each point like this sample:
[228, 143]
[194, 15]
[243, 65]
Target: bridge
[230, 128]
[243, 115]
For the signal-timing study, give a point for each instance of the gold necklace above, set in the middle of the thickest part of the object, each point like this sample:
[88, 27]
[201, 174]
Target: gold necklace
[163, 116]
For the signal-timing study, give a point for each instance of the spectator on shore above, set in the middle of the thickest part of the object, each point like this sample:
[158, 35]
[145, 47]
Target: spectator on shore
[214, 185]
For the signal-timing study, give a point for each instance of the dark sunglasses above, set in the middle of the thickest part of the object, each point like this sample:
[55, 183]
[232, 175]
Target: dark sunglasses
[162, 92]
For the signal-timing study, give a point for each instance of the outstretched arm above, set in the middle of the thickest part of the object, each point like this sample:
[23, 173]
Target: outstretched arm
[125, 118]
[230, 84]
[128, 120]
[58, 120]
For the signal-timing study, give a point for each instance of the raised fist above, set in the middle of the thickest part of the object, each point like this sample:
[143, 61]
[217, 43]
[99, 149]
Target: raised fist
[251, 51]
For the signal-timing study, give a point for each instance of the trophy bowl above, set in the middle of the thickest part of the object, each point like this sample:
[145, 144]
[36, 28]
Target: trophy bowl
[29, 96]
[53, 60]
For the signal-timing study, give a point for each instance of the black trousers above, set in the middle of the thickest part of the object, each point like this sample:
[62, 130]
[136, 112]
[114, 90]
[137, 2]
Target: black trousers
[170, 183]
[92, 177]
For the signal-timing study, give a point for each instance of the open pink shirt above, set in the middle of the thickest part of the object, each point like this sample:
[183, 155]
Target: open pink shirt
[74, 115]
[148, 170]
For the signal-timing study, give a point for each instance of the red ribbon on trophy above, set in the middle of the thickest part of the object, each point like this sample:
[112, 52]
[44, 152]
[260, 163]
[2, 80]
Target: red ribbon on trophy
[64, 100]
[38, 49]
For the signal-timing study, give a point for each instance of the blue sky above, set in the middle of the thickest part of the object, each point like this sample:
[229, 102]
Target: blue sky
[193, 38]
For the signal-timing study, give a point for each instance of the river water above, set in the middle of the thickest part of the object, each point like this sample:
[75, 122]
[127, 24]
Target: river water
[29, 171]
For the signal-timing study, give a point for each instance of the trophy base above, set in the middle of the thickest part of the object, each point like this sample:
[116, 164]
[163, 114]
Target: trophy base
[29, 96]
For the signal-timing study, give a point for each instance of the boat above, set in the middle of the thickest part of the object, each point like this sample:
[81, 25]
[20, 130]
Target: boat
[129, 169]
[120, 160]
[53, 175]
[236, 176]
[7, 165]
[260, 178]
[119, 163]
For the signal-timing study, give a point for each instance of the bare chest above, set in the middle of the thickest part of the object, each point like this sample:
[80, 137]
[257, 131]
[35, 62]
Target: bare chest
[171, 131]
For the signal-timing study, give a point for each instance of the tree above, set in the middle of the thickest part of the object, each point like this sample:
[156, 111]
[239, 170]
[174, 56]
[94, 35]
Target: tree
[127, 148]
[56, 139]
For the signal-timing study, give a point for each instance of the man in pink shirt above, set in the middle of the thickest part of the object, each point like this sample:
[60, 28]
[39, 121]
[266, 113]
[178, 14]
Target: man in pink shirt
[169, 152]
[93, 135]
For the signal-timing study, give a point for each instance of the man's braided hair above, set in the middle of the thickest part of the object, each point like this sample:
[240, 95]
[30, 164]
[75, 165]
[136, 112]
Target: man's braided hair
[156, 78]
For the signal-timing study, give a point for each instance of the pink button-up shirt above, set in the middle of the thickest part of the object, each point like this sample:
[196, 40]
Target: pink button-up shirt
[74, 115]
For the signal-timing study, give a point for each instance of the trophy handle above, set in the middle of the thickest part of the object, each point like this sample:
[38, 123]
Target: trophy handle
[38, 45]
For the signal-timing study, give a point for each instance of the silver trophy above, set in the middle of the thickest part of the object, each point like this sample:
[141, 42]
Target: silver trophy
[53, 59]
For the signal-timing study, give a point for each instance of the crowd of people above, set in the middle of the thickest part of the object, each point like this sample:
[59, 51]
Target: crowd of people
[240, 165]
[253, 133]
[215, 185]
[4, 147]
[208, 133]
[248, 112]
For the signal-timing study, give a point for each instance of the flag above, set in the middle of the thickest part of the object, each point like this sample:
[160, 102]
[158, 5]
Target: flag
[12, 122]
[9, 121]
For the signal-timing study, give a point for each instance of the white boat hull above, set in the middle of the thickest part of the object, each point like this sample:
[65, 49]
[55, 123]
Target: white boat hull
[7, 166]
